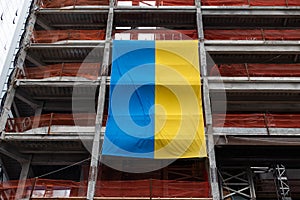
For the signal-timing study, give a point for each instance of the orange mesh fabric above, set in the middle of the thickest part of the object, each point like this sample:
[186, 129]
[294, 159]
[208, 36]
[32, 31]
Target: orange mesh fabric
[162, 3]
[250, 2]
[43, 188]
[252, 70]
[176, 3]
[85, 70]
[39, 188]
[50, 36]
[257, 120]
[224, 2]
[252, 34]
[64, 3]
[26, 123]
[152, 188]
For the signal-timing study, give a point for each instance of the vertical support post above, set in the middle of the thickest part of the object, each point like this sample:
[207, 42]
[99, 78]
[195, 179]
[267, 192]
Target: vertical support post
[251, 184]
[281, 180]
[37, 115]
[96, 150]
[207, 106]
[96, 154]
[22, 179]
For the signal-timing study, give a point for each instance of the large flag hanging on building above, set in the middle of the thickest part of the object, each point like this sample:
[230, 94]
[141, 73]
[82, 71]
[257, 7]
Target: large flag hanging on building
[155, 107]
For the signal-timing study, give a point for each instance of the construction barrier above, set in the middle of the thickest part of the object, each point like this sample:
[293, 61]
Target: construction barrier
[237, 34]
[46, 120]
[257, 120]
[45, 188]
[250, 2]
[153, 188]
[65, 3]
[258, 34]
[251, 70]
[51, 36]
[84, 70]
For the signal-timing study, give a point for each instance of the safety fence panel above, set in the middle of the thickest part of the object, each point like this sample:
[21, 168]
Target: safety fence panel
[51, 36]
[45, 188]
[65, 3]
[256, 70]
[46, 120]
[257, 120]
[153, 188]
[234, 34]
[258, 34]
[84, 70]
[250, 2]
[42, 188]
[156, 3]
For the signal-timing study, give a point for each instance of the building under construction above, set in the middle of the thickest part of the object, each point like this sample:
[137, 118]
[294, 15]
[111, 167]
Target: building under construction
[56, 99]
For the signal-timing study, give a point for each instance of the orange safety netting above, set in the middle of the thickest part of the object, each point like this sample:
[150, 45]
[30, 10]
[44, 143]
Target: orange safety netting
[46, 120]
[153, 188]
[266, 70]
[161, 34]
[85, 70]
[64, 3]
[50, 36]
[38, 188]
[237, 34]
[250, 2]
[160, 2]
[257, 120]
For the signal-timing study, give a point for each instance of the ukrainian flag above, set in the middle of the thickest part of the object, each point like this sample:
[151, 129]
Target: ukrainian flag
[155, 107]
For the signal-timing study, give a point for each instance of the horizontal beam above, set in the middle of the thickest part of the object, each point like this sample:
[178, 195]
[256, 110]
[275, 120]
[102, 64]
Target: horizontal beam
[249, 47]
[69, 45]
[12, 153]
[121, 198]
[57, 83]
[57, 159]
[257, 141]
[236, 131]
[254, 86]
[251, 11]
[206, 10]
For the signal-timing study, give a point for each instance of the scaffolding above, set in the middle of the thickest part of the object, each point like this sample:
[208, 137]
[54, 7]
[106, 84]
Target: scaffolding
[248, 51]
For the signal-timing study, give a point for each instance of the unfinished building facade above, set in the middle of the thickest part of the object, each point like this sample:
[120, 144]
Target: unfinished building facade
[54, 105]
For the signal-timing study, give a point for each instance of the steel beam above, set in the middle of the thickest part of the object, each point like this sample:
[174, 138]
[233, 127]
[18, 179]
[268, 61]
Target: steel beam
[251, 46]
[255, 86]
[57, 159]
[207, 106]
[257, 141]
[22, 179]
[12, 153]
[97, 143]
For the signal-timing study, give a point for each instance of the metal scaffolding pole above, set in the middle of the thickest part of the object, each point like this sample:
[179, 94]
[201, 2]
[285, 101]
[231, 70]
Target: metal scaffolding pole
[237, 182]
[281, 182]
[97, 142]
[207, 107]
